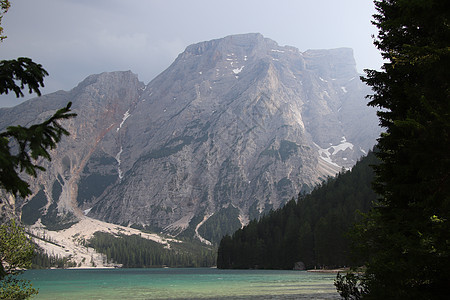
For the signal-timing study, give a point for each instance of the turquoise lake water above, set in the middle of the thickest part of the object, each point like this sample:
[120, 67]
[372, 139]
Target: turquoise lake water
[180, 284]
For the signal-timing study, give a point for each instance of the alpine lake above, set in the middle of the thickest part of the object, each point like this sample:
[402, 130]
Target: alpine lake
[188, 283]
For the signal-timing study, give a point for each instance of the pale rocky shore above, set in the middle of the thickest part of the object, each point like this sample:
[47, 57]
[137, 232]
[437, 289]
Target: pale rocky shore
[72, 242]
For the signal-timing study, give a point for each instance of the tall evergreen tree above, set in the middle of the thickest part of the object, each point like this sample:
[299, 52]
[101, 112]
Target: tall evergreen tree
[407, 235]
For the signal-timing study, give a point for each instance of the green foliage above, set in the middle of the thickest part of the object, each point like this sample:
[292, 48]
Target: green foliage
[24, 70]
[16, 251]
[350, 286]
[137, 252]
[311, 230]
[14, 288]
[41, 260]
[404, 240]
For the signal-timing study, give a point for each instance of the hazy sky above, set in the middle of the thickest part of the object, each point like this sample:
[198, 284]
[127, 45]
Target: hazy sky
[75, 38]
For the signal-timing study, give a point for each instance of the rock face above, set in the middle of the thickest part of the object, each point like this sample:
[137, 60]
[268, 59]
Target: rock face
[233, 128]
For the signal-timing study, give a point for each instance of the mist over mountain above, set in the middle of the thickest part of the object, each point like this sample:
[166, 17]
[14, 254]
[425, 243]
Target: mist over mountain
[233, 128]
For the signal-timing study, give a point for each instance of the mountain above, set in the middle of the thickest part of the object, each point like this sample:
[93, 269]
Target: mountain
[233, 128]
[311, 232]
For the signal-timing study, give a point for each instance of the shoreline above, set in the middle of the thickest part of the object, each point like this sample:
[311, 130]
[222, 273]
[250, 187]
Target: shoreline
[331, 271]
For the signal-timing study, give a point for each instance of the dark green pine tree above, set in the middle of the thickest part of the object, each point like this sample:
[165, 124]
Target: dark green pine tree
[406, 237]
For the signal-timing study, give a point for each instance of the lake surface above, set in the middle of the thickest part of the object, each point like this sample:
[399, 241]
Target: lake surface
[201, 283]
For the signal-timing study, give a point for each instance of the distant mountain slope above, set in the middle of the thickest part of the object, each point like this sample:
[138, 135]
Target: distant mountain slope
[233, 128]
[311, 230]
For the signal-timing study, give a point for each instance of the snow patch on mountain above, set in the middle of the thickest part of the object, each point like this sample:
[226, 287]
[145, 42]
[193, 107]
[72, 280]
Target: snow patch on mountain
[238, 70]
[124, 118]
[118, 162]
[197, 235]
[328, 153]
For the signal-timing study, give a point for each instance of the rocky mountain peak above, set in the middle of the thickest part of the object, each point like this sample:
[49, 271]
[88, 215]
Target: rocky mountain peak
[233, 128]
[243, 43]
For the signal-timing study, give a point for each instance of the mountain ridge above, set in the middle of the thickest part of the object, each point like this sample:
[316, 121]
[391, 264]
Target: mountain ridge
[233, 128]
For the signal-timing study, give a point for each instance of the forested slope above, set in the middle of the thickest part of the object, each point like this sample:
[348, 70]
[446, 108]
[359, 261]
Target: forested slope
[137, 252]
[311, 230]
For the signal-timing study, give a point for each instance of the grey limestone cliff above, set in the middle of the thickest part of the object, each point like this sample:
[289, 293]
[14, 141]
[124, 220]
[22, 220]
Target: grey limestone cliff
[233, 128]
